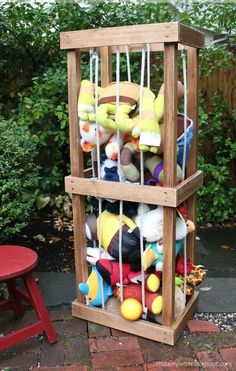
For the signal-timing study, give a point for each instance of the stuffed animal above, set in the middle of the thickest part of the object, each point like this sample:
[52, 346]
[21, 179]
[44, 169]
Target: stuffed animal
[153, 163]
[153, 254]
[182, 213]
[147, 129]
[87, 123]
[110, 272]
[110, 224]
[153, 300]
[110, 172]
[126, 118]
[111, 117]
[179, 307]
[160, 102]
[152, 230]
[152, 224]
[92, 289]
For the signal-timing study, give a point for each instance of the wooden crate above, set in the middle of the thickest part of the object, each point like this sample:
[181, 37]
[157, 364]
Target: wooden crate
[166, 37]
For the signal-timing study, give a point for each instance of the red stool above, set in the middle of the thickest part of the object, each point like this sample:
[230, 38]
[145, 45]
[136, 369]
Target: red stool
[16, 262]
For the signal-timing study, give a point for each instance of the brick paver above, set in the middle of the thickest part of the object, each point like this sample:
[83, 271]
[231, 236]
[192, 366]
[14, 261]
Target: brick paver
[211, 361]
[85, 346]
[110, 344]
[64, 368]
[153, 351]
[197, 326]
[184, 364]
[229, 355]
[116, 358]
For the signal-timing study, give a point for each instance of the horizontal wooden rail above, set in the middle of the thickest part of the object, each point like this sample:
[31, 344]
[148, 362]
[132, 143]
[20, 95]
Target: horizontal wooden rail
[189, 186]
[154, 47]
[117, 191]
[170, 32]
[134, 192]
[140, 328]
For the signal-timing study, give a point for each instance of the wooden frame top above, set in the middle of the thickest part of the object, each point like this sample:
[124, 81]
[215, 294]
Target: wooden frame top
[171, 32]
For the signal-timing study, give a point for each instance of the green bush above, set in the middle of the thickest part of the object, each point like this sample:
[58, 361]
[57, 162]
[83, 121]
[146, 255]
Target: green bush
[18, 175]
[33, 92]
[216, 201]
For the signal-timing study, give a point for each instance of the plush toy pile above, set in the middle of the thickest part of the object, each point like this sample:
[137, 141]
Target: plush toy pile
[144, 134]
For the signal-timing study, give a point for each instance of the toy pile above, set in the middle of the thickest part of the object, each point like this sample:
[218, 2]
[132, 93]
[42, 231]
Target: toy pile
[137, 134]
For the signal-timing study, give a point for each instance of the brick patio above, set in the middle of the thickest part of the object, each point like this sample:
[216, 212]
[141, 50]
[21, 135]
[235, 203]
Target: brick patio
[87, 346]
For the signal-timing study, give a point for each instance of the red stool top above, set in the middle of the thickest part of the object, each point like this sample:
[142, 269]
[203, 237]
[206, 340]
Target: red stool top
[15, 261]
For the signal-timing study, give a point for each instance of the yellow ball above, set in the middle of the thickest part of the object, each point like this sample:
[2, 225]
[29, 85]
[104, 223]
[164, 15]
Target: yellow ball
[131, 309]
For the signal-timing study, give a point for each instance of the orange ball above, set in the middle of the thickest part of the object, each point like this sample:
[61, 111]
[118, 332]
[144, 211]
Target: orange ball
[131, 309]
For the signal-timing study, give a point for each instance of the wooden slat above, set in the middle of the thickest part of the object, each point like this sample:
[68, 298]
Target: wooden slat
[136, 34]
[106, 66]
[170, 134]
[146, 33]
[181, 322]
[125, 191]
[193, 86]
[155, 47]
[77, 169]
[191, 37]
[189, 186]
[140, 328]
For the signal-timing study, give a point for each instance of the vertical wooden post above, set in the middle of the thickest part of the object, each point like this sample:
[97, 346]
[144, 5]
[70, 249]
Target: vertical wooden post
[77, 169]
[193, 85]
[170, 135]
[106, 66]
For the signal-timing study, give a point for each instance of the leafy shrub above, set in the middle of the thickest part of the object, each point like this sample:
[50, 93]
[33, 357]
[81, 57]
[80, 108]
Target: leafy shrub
[216, 201]
[18, 175]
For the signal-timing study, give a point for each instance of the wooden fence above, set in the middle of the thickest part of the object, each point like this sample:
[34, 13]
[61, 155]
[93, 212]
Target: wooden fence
[224, 81]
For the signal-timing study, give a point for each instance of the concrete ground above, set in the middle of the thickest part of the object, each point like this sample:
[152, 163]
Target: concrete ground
[84, 346]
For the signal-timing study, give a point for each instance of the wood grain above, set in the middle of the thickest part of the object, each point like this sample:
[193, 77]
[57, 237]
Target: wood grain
[191, 37]
[77, 169]
[193, 87]
[125, 191]
[140, 328]
[170, 134]
[106, 66]
[189, 186]
[111, 36]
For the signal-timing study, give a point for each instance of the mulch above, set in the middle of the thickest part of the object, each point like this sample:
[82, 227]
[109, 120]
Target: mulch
[51, 237]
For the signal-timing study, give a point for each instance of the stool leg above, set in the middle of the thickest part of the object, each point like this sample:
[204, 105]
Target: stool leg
[39, 306]
[16, 302]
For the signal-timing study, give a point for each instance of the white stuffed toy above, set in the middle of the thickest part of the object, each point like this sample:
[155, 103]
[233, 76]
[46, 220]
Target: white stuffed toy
[152, 224]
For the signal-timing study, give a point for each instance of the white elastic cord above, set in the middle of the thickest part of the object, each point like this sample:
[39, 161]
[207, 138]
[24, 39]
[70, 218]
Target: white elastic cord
[93, 156]
[128, 63]
[142, 182]
[183, 55]
[148, 65]
[98, 169]
[119, 172]
[91, 59]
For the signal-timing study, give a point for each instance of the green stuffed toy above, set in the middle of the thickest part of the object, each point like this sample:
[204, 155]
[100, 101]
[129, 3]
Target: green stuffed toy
[112, 117]
[126, 118]
[148, 130]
